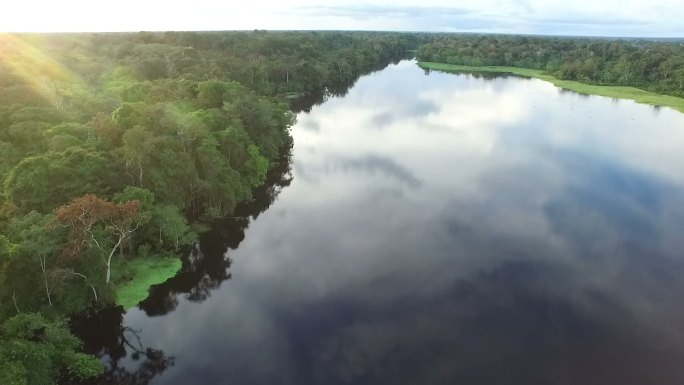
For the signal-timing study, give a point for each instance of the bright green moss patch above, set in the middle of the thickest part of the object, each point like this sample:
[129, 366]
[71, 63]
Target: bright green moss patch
[618, 92]
[134, 278]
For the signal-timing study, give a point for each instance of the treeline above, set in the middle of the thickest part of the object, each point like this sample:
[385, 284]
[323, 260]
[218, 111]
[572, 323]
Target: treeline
[649, 65]
[112, 146]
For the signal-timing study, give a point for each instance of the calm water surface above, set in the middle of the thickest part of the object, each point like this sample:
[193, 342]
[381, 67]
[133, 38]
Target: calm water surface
[442, 229]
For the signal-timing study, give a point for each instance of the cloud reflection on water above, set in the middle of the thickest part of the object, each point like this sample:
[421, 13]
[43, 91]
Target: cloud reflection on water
[529, 236]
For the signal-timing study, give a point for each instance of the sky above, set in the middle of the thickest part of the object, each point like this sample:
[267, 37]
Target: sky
[642, 18]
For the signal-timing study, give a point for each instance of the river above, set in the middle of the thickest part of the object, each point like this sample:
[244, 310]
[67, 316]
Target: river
[434, 228]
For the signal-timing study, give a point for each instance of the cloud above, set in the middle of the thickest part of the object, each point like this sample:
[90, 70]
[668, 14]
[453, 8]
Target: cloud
[372, 11]
[517, 17]
[580, 17]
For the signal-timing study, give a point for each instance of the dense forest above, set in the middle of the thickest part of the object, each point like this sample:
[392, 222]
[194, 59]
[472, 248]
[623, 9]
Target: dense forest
[649, 65]
[116, 148]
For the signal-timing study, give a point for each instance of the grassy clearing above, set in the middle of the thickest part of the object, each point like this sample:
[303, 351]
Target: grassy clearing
[133, 278]
[618, 92]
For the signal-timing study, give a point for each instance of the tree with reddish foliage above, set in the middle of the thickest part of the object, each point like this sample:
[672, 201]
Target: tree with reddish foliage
[82, 214]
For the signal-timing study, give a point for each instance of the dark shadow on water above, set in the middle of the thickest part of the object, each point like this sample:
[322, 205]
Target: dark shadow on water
[486, 76]
[127, 360]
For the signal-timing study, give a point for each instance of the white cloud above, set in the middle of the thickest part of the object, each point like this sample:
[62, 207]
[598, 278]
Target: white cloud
[585, 17]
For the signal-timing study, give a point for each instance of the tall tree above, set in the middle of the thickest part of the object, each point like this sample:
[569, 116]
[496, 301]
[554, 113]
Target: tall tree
[84, 213]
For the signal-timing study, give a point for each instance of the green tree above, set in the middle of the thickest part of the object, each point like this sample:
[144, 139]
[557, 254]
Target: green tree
[35, 351]
[43, 182]
[137, 144]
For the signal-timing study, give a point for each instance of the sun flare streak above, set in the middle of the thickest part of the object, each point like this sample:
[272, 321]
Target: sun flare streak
[23, 57]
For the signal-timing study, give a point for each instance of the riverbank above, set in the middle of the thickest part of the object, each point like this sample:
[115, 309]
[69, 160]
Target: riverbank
[618, 92]
[133, 279]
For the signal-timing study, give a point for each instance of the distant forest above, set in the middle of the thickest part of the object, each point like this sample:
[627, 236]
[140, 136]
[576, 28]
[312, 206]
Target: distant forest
[646, 64]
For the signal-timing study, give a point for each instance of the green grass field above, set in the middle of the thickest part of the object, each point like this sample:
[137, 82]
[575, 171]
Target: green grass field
[134, 278]
[618, 92]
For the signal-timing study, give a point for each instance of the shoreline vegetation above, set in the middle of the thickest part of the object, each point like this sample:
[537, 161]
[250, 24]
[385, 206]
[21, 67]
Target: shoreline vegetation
[137, 276]
[90, 156]
[640, 70]
[618, 92]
